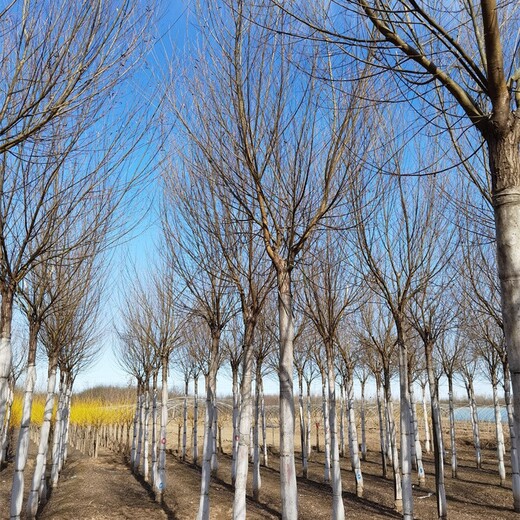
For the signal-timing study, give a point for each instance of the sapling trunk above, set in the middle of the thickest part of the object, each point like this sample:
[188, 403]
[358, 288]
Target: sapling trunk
[6, 318]
[196, 419]
[499, 432]
[257, 481]
[160, 485]
[342, 421]
[363, 425]
[453, 443]
[382, 430]
[302, 425]
[427, 440]
[185, 419]
[236, 408]
[326, 430]
[264, 423]
[146, 433]
[57, 437]
[416, 441]
[338, 509]
[154, 428]
[133, 453]
[392, 444]
[474, 422]
[214, 430]
[352, 435]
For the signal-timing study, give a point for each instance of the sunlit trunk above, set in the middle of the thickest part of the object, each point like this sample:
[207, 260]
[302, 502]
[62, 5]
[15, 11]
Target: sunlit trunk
[244, 427]
[211, 385]
[22, 450]
[474, 422]
[326, 430]
[160, 484]
[154, 429]
[57, 435]
[133, 452]
[288, 487]
[302, 425]
[416, 441]
[352, 435]
[185, 419]
[382, 429]
[342, 421]
[427, 441]
[515, 470]
[453, 443]
[338, 509]
[499, 432]
[236, 431]
[195, 419]
[392, 444]
[6, 318]
[363, 425]
[257, 481]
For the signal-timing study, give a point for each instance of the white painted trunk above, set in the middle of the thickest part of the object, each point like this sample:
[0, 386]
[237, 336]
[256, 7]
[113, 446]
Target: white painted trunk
[244, 439]
[352, 436]
[427, 439]
[154, 431]
[196, 419]
[4, 438]
[506, 202]
[257, 480]
[146, 440]
[64, 442]
[264, 424]
[515, 469]
[474, 423]
[326, 430]
[416, 441]
[211, 384]
[342, 421]
[363, 425]
[22, 450]
[160, 484]
[453, 443]
[214, 430]
[392, 444]
[501, 449]
[133, 453]
[301, 415]
[185, 420]
[140, 432]
[5, 371]
[288, 486]
[438, 443]
[382, 430]
[236, 431]
[338, 509]
[57, 435]
[309, 423]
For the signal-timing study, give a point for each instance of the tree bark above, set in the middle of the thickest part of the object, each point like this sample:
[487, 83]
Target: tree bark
[288, 487]
[452, 428]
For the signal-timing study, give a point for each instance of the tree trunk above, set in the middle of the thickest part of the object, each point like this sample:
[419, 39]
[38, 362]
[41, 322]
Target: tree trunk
[154, 429]
[244, 428]
[418, 449]
[342, 421]
[57, 436]
[6, 318]
[363, 425]
[288, 487]
[453, 442]
[264, 423]
[257, 481]
[302, 425]
[146, 439]
[515, 470]
[185, 419]
[352, 435]
[211, 384]
[195, 419]
[338, 509]
[392, 445]
[474, 422]
[499, 432]
[160, 484]
[326, 430]
[236, 431]
[214, 430]
[382, 430]
[427, 440]
[4, 438]
[438, 444]
[133, 453]
[309, 422]
[22, 450]
[406, 434]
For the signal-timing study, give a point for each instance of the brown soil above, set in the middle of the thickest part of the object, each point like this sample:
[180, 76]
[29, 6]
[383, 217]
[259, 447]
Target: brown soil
[105, 488]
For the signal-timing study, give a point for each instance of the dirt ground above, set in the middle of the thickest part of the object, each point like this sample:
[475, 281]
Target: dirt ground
[105, 488]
